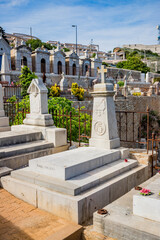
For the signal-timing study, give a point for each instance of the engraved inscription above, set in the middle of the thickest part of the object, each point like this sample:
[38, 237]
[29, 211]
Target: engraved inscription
[100, 128]
[100, 108]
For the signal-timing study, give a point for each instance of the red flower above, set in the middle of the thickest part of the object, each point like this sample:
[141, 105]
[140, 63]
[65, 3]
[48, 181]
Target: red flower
[125, 160]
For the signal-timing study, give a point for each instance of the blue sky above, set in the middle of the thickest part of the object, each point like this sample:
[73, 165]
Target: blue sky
[109, 23]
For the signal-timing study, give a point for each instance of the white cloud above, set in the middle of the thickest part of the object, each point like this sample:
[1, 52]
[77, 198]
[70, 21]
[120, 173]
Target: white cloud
[108, 26]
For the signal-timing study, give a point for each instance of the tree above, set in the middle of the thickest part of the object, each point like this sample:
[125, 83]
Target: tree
[106, 64]
[133, 63]
[35, 43]
[25, 79]
[93, 55]
[3, 34]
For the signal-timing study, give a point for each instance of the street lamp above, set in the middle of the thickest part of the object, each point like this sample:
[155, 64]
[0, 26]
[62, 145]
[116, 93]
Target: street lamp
[76, 36]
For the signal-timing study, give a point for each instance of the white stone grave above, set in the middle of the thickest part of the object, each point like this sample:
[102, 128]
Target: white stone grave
[39, 119]
[5, 72]
[63, 83]
[4, 121]
[148, 206]
[76, 183]
[38, 105]
[104, 124]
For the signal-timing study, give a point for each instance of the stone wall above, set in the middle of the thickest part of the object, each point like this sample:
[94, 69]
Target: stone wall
[122, 72]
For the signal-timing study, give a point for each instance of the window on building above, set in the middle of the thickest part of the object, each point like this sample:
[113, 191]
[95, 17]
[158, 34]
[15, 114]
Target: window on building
[0, 61]
[74, 69]
[43, 65]
[59, 66]
[24, 61]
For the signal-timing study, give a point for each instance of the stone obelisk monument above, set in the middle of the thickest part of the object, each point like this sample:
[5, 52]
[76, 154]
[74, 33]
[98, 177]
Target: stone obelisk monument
[104, 124]
[4, 121]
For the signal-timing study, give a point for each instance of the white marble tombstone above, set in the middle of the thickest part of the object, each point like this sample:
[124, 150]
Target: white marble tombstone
[4, 121]
[63, 83]
[5, 72]
[104, 124]
[38, 105]
[143, 76]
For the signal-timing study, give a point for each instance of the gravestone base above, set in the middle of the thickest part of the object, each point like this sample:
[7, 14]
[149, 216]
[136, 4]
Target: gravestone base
[102, 143]
[58, 136]
[38, 120]
[4, 122]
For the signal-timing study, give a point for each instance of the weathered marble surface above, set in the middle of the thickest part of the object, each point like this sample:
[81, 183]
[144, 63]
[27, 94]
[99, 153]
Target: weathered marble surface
[104, 124]
[38, 105]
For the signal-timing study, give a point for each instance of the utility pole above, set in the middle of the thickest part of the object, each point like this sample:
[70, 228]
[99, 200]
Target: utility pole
[31, 32]
[76, 36]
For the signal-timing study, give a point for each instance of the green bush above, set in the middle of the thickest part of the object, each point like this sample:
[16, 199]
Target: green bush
[77, 91]
[57, 106]
[25, 79]
[54, 91]
[120, 83]
[156, 79]
[134, 63]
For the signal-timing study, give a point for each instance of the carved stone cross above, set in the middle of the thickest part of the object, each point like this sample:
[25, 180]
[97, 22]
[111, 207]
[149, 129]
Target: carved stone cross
[103, 72]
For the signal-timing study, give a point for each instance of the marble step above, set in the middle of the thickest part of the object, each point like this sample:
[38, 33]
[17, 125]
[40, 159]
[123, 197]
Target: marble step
[77, 185]
[66, 165]
[11, 138]
[5, 129]
[5, 171]
[78, 208]
[4, 121]
[18, 161]
[17, 149]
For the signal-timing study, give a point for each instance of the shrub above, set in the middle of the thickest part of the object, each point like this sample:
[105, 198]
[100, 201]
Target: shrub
[156, 79]
[136, 94]
[77, 91]
[12, 99]
[25, 79]
[120, 83]
[54, 91]
[104, 63]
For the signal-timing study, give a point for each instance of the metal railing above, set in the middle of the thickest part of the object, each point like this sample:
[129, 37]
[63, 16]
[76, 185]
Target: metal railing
[79, 123]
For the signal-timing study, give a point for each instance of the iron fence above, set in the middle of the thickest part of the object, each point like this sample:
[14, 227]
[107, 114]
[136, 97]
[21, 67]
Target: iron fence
[10, 91]
[132, 126]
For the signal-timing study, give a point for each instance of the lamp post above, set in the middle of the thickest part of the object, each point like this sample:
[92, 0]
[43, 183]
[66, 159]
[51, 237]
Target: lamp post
[76, 36]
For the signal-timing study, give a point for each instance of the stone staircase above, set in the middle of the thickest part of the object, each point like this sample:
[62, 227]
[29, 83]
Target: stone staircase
[76, 183]
[16, 148]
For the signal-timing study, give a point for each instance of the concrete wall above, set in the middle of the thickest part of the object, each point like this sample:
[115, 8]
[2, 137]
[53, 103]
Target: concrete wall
[154, 48]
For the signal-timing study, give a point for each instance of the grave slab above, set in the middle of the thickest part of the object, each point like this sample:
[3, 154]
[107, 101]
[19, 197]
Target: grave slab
[148, 206]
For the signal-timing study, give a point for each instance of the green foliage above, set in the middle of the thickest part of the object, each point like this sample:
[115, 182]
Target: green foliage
[140, 53]
[154, 124]
[3, 34]
[104, 63]
[57, 106]
[25, 79]
[54, 91]
[120, 83]
[156, 79]
[12, 99]
[66, 49]
[35, 43]
[77, 91]
[133, 63]
[63, 106]
[93, 55]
